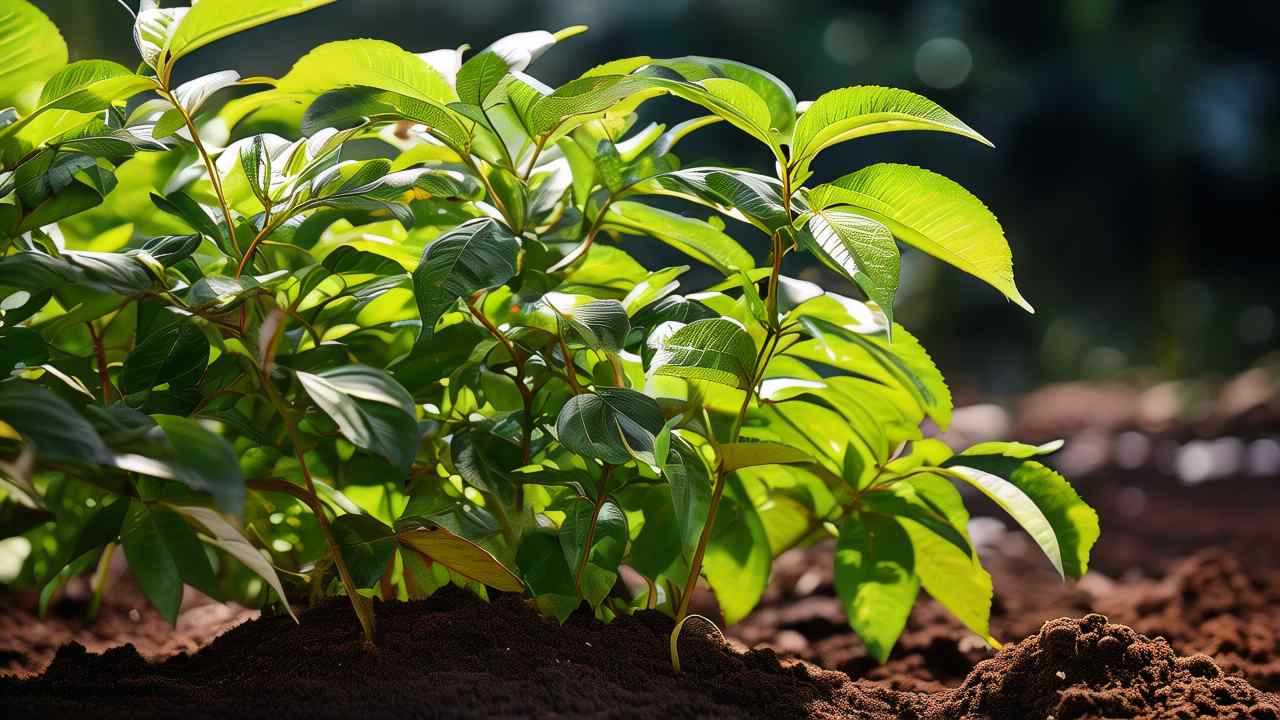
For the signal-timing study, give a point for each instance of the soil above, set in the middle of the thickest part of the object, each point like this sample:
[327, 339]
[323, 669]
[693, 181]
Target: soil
[1188, 572]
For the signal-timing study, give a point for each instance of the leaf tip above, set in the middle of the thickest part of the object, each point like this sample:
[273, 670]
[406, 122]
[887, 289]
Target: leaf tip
[569, 32]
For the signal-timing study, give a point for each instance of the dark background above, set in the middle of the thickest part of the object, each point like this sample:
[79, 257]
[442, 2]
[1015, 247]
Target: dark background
[1136, 148]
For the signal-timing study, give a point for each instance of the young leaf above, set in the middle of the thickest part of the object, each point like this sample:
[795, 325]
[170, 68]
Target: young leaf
[876, 579]
[1020, 507]
[479, 76]
[859, 248]
[370, 408]
[163, 553]
[477, 255]
[717, 350]
[860, 111]
[612, 425]
[932, 213]
[1074, 523]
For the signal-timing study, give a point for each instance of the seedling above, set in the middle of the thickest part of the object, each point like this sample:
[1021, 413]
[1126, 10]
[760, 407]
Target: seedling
[372, 327]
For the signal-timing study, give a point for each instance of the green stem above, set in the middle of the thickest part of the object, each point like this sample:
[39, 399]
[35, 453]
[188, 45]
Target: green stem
[210, 167]
[101, 576]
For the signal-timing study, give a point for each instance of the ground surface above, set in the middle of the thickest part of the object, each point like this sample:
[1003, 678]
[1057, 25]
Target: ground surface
[1188, 555]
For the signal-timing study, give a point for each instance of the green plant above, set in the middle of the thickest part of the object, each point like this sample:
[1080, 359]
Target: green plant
[376, 376]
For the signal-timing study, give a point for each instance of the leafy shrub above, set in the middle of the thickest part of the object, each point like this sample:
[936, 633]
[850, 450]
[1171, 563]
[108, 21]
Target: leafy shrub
[366, 330]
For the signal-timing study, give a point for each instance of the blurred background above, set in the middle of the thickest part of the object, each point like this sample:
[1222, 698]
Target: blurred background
[1137, 147]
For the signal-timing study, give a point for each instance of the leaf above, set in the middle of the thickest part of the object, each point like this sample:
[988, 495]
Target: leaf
[230, 540]
[695, 238]
[607, 527]
[859, 248]
[370, 408]
[354, 106]
[550, 578]
[367, 546]
[859, 111]
[477, 255]
[163, 552]
[612, 425]
[746, 196]
[33, 50]
[50, 424]
[598, 324]
[208, 22]
[690, 482]
[202, 460]
[479, 76]
[1020, 507]
[460, 555]
[85, 86]
[193, 94]
[1074, 523]
[738, 556]
[952, 577]
[716, 349]
[739, 455]
[176, 354]
[21, 346]
[169, 250]
[932, 213]
[876, 580]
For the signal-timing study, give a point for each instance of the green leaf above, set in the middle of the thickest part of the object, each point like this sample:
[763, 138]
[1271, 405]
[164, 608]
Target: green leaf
[477, 255]
[550, 578]
[208, 22]
[598, 324]
[21, 346]
[85, 86]
[951, 576]
[1013, 500]
[876, 580]
[695, 238]
[931, 213]
[739, 455]
[612, 425]
[354, 106]
[370, 408]
[1020, 451]
[742, 195]
[859, 248]
[863, 110]
[176, 354]
[163, 552]
[232, 541]
[33, 50]
[367, 546]
[1074, 523]
[608, 530]
[479, 76]
[716, 349]
[169, 250]
[202, 460]
[50, 424]
[690, 480]
[738, 556]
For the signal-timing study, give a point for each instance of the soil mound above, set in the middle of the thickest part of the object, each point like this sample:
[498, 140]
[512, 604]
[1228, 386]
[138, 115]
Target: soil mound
[1088, 668]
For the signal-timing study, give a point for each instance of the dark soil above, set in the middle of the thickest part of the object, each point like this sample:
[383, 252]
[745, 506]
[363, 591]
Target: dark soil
[454, 656]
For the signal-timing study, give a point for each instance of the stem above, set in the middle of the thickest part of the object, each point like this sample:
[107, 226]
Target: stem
[601, 497]
[360, 604]
[100, 352]
[571, 373]
[214, 178]
[101, 576]
[269, 226]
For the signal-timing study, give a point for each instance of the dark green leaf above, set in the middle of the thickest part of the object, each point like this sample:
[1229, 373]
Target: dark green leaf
[477, 255]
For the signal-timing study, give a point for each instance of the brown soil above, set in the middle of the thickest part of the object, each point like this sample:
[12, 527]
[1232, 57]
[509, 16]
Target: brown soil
[453, 656]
